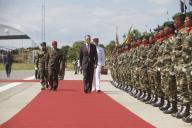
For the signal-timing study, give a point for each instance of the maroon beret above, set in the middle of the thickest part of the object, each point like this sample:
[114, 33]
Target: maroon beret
[54, 43]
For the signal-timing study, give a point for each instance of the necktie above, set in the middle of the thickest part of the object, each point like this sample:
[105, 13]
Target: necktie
[88, 48]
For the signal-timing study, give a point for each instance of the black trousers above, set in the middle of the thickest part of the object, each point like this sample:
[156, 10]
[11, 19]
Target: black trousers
[8, 69]
[88, 78]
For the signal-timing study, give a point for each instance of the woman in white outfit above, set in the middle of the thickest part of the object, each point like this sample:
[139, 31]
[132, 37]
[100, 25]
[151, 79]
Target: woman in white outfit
[100, 65]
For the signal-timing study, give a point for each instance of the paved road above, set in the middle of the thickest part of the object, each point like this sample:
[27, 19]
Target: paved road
[14, 99]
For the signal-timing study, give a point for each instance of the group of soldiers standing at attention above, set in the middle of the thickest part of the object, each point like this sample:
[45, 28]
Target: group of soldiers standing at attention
[50, 65]
[157, 67]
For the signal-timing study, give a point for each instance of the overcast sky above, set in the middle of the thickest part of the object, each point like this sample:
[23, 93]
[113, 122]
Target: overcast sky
[69, 20]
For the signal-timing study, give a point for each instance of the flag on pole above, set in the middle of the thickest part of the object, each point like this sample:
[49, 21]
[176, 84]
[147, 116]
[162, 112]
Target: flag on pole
[117, 38]
[183, 6]
[128, 39]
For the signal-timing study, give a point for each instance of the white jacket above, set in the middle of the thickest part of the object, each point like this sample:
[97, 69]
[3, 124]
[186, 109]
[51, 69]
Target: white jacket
[101, 56]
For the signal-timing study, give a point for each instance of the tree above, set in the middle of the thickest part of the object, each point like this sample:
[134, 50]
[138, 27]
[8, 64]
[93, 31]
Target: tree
[74, 50]
[66, 50]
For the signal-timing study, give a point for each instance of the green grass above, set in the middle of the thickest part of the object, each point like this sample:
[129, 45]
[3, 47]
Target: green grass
[20, 66]
[25, 66]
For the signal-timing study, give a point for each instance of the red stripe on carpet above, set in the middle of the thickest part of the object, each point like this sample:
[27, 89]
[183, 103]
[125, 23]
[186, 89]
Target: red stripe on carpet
[69, 107]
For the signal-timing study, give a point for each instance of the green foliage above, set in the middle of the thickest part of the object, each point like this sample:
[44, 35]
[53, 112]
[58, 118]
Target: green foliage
[109, 48]
[72, 53]
[66, 50]
[135, 34]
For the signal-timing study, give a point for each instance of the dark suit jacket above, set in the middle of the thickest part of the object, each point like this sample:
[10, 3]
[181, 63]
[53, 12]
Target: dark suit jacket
[88, 58]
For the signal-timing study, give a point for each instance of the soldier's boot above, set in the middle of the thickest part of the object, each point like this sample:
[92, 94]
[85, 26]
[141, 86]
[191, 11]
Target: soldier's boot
[126, 87]
[135, 93]
[138, 93]
[147, 97]
[117, 84]
[146, 94]
[153, 100]
[132, 91]
[165, 106]
[122, 86]
[160, 102]
[129, 89]
[188, 119]
[172, 109]
[142, 96]
[184, 112]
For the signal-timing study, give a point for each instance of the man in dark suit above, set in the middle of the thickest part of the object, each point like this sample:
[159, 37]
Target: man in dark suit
[88, 61]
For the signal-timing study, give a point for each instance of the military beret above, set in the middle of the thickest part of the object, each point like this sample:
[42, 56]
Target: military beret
[189, 14]
[96, 40]
[54, 43]
[43, 44]
[179, 15]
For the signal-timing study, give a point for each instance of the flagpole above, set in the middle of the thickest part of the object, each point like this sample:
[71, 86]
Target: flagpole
[185, 6]
[167, 13]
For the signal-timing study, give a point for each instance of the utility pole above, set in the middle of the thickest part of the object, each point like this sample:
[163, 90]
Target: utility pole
[43, 22]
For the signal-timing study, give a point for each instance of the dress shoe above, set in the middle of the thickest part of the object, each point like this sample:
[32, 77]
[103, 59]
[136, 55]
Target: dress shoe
[43, 88]
[54, 89]
[172, 109]
[165, 106]
[98, 90]
[184, 112]
[188, 119]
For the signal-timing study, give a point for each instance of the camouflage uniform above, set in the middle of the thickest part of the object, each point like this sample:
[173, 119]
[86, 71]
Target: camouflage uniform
[42, 65]
[56, 67]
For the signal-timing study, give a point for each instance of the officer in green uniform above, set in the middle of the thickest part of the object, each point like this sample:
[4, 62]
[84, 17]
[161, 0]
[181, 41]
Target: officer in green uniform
[56, 66]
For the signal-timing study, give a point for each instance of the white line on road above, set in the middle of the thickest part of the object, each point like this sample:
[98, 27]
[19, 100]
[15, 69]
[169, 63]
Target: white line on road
[11, 85]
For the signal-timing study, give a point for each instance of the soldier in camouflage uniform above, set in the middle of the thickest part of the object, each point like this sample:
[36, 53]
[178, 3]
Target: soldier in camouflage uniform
[151, 59]
[187, 58]
[42, 65]
[158, 100]
[168, 80]
[56, 66]
[178, 62]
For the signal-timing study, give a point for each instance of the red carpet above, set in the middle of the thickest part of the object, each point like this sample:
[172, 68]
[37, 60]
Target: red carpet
[69, 107]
